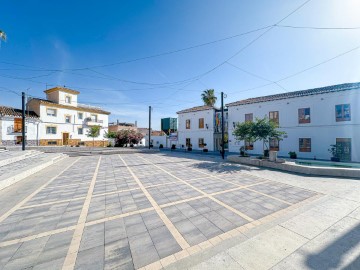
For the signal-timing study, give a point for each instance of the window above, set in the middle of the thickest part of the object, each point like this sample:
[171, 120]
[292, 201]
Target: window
[52, 143]
[201, 122]
[201, 143]
[249, 145]
[80, 115]
[187, 124]
[274, 144]
[188, 142]
[67, 119]
[274, 117]
[80, 131]
[248, 117]
[304, 115]
[342, 112]
[93, 118]
[51, 112]
[305, 145]
[50, 130]
[68, 99]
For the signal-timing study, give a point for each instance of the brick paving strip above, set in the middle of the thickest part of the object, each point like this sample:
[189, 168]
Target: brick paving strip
[71, 256]
[176, 234]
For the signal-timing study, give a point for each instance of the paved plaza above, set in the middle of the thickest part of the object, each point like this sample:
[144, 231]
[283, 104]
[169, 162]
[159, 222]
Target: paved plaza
[146, 210]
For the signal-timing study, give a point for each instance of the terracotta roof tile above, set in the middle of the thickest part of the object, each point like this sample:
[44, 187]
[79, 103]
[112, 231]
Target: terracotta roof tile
[196, 109]
[309, 92]
[9, 111]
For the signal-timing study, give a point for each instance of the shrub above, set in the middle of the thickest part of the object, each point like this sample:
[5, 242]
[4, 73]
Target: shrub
[292, 154]
[161, 146]
[173, 147]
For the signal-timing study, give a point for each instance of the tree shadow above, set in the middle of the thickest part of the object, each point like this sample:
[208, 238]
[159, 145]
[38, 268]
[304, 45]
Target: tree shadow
[330, 257]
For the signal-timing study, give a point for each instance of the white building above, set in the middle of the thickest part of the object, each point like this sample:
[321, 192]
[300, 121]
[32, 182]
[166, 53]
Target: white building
[11, 127]
[66, 122]
[313, 119]
[199, 126]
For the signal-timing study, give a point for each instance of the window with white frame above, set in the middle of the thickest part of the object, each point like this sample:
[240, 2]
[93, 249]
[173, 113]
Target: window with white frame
[51, 112]
[80, 131]
[80, 115]
[50, 130]
[68, 99]
[67, 118]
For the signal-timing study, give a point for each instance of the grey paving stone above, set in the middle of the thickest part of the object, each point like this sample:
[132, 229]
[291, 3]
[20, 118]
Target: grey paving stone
[143, 250]
[93, 236]
[92, 258]
[164, 242]
[118, 255]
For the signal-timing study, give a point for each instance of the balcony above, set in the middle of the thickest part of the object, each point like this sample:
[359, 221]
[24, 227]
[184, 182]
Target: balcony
[93, 122]
[11, 130]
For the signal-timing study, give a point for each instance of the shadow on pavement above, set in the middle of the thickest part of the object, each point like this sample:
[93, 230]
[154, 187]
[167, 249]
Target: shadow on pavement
[331, 256]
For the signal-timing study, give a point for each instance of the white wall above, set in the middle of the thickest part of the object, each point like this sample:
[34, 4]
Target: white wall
[194, 133]
[59, 97]
[72, 128]
[323, 129]
[157, 140]
[31, 128]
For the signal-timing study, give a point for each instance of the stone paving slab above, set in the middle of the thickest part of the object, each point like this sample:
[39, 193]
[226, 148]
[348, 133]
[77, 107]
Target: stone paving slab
[143, 211]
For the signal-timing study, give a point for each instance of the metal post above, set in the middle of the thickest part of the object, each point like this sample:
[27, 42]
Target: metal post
[149, 126]
[23, 120]
[222, 127]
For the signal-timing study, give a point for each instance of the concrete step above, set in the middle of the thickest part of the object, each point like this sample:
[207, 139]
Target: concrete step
[9, 157]
[16, 171]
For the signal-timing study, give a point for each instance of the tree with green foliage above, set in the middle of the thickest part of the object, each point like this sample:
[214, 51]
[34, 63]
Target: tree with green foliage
[93, 132]
[127, 136]
[260, 130]
[208, 97]
[110, 135]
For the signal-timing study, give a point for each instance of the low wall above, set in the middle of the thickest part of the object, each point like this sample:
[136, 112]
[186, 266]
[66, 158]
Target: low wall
[292, 167]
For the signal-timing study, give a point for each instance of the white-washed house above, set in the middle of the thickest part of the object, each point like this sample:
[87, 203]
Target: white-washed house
[313, 119]
[64, 121]
[200, 125]
[11, 127]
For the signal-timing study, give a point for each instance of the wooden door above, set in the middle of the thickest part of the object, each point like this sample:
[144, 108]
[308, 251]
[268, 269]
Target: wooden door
[17, 125]
[65, 138]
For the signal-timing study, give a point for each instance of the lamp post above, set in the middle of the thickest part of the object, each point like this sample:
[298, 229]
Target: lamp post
[23, 119]
[149, 127]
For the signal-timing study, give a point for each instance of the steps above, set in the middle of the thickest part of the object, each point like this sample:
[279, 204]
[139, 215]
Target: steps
[17, 165]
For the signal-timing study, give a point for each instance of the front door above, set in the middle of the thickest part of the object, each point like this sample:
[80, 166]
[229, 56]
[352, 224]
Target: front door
[65, 138]
[343, 146]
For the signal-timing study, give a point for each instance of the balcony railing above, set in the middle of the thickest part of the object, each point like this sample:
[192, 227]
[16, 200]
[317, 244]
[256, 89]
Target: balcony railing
[93, 122]
[15, 130]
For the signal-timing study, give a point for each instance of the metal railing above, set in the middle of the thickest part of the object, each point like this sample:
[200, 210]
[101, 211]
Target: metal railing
[89, 119]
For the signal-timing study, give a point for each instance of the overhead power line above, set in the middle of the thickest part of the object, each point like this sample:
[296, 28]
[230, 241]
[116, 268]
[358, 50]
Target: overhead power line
[317, 28]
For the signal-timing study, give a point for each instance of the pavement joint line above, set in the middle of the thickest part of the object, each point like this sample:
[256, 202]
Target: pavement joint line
[234, 189]
[182, 201]
[28, 198]
[54, 202]
[226, 235]
[200, 191]
[269, 196]
[70, 260]
[119, 216]
[171, 227]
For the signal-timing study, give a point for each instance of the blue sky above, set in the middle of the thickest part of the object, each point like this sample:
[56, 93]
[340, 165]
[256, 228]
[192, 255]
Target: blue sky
[84, 44]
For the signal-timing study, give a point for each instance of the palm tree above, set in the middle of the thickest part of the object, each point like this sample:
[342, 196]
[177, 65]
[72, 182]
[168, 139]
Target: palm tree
[209, 97]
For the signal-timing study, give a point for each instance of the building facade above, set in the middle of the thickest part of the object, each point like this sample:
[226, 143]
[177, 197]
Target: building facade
[199, 128]
[11, 127]
[169, 125]
[313, 119]
[66, 122]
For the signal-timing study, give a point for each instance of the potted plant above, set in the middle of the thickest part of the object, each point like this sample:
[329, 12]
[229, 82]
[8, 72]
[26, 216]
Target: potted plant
[189, 147]
[173, 147]
[266, 153]
[293, 155]
[242, 151]
[161, 146]
[334, 151]
[205, 149]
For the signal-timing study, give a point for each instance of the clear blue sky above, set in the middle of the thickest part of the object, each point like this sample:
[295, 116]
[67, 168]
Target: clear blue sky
[54, 39]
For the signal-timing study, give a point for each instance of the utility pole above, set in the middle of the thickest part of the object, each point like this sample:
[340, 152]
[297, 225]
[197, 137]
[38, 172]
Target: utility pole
[23, 120]
[149, 126]
[222, 127]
